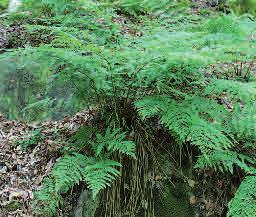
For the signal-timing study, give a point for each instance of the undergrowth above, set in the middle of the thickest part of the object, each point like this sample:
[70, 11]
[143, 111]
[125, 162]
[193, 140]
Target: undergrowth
[76, 56]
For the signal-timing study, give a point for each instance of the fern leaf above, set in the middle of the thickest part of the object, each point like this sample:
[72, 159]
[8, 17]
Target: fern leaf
[244, 203]
[47, 200]
[68, 172]
[225, 161]
[149, 106]
[186, 121]
[100, 174]
[234, 89]
[114, 141]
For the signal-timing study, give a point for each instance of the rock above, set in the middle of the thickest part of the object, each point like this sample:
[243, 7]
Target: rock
[3, 38]
[86, 206]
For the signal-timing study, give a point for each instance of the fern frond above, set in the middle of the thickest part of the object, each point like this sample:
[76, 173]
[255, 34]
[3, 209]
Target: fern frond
[234, 89]
[187, 121]
[225, 161]
[68, 172]
[114, 141]
[243, 122]
[100, 174]
[190, 127]
[47, 200]
[244, 203]
[151, 106]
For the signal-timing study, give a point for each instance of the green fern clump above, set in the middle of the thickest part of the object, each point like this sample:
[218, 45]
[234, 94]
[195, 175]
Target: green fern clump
[137, 7]
[222, 24]
[80, 59]
[244, 203]
[31, 139]
[243, 122]
[97, 171]
[64, 40]
[50, 7]
[47, 199]
[187, 122]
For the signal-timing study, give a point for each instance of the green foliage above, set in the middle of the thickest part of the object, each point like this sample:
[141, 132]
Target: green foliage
[114, 141]
[235, 89]
[242, 122]
[71, 170]
[50, 7]
[3, 5]
[222, 24]
[82, 138]
[79, 54]
[191, 121]
[225, 162]
[100, 174]
[47, 199]
[31, 139]
[97, 171]
[137, 7]
[243, 6]
[243, 203]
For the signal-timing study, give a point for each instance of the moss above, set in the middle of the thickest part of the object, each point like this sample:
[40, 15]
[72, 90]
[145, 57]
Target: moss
[173, 202]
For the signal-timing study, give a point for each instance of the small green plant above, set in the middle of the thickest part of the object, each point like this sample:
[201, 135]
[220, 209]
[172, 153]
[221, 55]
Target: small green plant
[31, 139]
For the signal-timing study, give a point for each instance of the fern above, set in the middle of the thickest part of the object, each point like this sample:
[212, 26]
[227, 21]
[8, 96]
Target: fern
[47, 200]
[149, 106]
[244, 204]
[68, 172]
[83, 58]
[225, 161]
[97, 171]
[234, 89]
[100, 174]
[185, 121]
[137, 7]
[114, 141]
[243, 122]
[222, 24]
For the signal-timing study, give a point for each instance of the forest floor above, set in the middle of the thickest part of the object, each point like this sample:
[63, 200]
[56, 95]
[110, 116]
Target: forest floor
[22, 171]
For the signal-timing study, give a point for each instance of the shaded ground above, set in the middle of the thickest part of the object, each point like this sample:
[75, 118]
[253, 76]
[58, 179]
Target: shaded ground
[21, 172]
